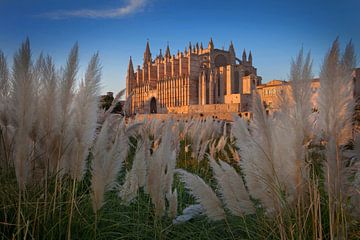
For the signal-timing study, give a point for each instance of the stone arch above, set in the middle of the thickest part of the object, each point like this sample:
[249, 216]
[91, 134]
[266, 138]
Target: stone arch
[220, 60]
[153, 107]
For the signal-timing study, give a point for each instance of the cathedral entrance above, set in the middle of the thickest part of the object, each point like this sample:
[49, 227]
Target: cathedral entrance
[153, 108]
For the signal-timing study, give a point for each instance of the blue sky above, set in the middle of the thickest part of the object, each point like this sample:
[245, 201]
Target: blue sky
[273, 30]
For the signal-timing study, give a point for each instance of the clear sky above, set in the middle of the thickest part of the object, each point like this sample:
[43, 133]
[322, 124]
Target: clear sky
[274, 30]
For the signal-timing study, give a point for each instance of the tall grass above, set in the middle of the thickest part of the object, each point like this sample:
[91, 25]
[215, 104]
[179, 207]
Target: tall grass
[70, 170]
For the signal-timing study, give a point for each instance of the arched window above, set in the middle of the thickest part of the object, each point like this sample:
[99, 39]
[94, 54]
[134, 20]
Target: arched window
[219, 86]
[220, 60]
[236, 85]
[153, 108]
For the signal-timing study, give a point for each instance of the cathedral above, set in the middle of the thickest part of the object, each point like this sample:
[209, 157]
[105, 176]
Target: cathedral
[198, 80]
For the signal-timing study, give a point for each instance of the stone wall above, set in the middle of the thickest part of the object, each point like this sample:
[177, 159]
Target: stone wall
[208, 108]
[218, 116]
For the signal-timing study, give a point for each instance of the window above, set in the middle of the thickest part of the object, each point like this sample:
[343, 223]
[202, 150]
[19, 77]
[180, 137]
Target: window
[236, 85]
[220, 60]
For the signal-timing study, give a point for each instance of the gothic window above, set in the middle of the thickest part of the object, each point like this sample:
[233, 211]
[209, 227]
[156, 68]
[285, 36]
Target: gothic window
[220, 60]
[236, 82]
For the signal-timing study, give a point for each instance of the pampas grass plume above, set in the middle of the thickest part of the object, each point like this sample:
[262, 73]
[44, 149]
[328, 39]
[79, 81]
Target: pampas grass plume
[203, 194]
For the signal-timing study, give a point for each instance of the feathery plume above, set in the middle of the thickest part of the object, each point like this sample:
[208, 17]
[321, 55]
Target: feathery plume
[110, 151]
[5, 111]
[84, 117]
[203, 194]
[4, 76]
[23, 93]
[136, 177]
[66, 95]
[161, 168]
[256, 151]
[231, 188]
[336, 106]
[45, 127]
[189, 213]
[294, 120]
[6, 128]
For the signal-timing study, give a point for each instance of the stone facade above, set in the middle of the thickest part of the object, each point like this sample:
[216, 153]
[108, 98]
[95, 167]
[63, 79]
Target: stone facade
[269, 91]
[205, 82]
[198, 79]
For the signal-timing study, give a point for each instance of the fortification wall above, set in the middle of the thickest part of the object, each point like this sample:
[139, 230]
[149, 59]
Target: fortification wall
[216, 111]
[226, 116]
[208, 108]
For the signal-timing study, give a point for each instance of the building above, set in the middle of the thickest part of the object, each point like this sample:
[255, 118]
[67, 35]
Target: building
[201, 80]
[269, 91]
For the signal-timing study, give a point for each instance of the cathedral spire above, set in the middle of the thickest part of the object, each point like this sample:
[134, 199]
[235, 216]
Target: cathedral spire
[167, 52]
[244, 56]
[190, 47]
[250, 58]
[130, 78]
[211, 44]
[147, 54]
[130, 66]
[231, 48]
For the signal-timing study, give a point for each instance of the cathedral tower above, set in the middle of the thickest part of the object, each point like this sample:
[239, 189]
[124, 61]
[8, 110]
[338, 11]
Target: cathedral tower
[130, 78]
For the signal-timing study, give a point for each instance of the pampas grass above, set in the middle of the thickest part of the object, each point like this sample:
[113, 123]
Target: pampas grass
[24, 98]
[136, 177]
[47, 121]
[84, 113]
[231, 188]
[257, 157]
[160, 174]
[4, 76]
[6, 130]
[336, 106]
[110, 151]
[66, 95]
[203, 194]
[295, 114]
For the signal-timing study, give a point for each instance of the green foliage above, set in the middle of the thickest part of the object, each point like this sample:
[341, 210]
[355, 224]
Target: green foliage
[106, 102]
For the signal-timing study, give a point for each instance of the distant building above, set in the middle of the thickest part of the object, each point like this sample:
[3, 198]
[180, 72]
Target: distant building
[196, 80]
[204, 81]
[269, 91]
